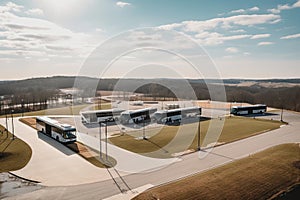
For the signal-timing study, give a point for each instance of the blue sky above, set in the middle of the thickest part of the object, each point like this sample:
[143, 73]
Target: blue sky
[245, 39]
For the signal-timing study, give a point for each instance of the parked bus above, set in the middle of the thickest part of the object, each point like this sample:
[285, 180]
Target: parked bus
[172, 106]
[176, 115]
[96, 116]
[64, 133]
[246, 110]
[137, 116]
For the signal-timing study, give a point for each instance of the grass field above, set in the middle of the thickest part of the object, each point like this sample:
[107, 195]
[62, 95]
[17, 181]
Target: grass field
[235, 128]
[259, 176]
[14, 154]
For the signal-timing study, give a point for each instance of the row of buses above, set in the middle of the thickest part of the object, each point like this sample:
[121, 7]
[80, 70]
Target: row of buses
[159, 116]
[66, 133]
[140, 115]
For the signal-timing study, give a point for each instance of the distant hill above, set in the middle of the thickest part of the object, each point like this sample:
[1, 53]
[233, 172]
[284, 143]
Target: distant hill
[59, 82]
[273, 92]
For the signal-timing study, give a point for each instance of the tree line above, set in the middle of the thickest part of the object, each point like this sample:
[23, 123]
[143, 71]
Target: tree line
[35, 93]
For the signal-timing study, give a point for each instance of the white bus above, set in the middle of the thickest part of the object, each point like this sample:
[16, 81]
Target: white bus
[96, 116]
[246, 110]
[63, 133]
[176, 115]
[137, 116]
[170, 106]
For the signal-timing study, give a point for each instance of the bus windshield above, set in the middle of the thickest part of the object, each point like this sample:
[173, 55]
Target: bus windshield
[157, 116]
[125, 117]
[69, 135]
[233, 110]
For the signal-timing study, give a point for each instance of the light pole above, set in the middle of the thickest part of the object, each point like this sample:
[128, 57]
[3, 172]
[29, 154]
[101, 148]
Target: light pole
[144, 134]
[6, 123]
[99, 103]
[198, 142]
[106, 140]
[22, 104]
[281, 114]
[12, 124]
[100, 146]
[230, 109]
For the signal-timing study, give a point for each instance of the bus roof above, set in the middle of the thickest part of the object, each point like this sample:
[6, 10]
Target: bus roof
[52, 122]
[102, 111]
[180, 109]
[139, 110]
[251, 106]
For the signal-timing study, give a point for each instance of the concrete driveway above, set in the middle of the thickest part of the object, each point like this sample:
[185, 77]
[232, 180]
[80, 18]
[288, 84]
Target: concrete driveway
[52, 163]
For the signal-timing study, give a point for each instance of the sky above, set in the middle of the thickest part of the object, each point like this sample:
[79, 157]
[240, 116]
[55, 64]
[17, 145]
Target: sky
[243, 39]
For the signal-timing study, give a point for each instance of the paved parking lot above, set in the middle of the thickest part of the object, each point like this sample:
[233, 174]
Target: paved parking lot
[52, 163]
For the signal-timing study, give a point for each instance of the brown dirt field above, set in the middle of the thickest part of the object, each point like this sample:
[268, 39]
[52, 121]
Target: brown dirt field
[219, 105]
[30, 121]
[142, 98]
[258, 176]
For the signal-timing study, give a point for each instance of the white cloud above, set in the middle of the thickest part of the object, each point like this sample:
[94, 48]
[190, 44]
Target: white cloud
[236, 37]
[227, 22]
[259, 36]
[25, 36]
[170, 26]
[14, 7]
[238, 31]
[291, 36]
[255, 8]
[214, 38]
[35, 12]
[297, 4]
[231, 50]
[224, 22]
[238, 11]
[274, 10]
[284, 7]
[204, 31]
[122, 4]
[265, 43]
[99, 30]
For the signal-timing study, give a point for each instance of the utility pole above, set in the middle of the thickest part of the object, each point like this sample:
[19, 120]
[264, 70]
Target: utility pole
[144, 137]
[144, 124]
[6, 123]
[230, 109]
[22, 105]
[198, 144]
[99, 102]
[12, 124]
[281, 114]
[106, 140]
[100, 146]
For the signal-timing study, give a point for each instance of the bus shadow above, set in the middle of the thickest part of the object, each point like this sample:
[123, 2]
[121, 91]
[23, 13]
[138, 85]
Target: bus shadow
[160, 147]
[95, 125]
[184, 121]
[261, 115]
[137, 125]
[59, 146]
[187, 121]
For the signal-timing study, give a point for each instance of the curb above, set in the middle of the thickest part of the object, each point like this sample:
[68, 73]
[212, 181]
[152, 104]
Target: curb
[25, 179]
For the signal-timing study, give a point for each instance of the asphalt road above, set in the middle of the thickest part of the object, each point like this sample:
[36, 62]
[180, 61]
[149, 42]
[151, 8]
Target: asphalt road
[192, 163]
